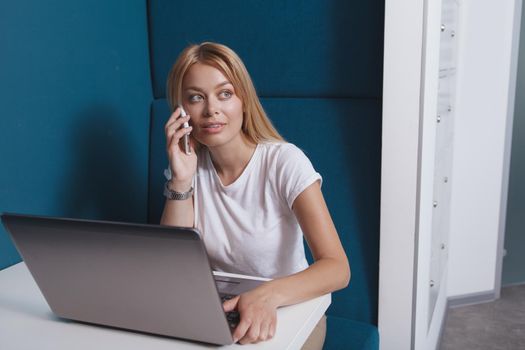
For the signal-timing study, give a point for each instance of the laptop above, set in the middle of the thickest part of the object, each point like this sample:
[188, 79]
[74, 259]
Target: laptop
[147, 278]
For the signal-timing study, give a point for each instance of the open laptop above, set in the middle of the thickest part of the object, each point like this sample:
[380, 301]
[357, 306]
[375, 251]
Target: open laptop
[148, 278]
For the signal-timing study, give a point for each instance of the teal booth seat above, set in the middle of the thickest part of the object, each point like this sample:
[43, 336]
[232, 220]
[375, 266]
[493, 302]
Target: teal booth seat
[77, 134]
[317, 66]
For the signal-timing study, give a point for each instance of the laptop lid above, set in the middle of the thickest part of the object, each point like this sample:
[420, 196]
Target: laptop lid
[149, 278]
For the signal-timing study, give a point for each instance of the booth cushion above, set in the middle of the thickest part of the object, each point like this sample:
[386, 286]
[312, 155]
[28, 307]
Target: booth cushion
[342, 139]
[318, 67]
[291, 48]
[345, 334]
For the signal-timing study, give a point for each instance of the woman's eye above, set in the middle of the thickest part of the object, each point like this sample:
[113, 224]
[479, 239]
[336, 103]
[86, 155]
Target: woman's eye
[226, 94]
[195, 98]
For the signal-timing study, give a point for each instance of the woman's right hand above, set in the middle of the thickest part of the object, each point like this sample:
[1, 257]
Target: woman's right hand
[182, 165]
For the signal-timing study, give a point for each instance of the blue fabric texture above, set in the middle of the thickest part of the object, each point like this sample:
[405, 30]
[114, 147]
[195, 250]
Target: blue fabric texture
[74, 100]
[345, 334]
[291, 49]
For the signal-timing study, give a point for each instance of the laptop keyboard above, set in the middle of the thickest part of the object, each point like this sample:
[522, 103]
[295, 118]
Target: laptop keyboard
[232, 317]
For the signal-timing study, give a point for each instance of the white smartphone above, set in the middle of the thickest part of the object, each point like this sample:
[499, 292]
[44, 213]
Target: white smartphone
[186, 138]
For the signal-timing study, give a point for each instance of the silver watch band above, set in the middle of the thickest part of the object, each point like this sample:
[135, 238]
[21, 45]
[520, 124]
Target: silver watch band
[174, 195]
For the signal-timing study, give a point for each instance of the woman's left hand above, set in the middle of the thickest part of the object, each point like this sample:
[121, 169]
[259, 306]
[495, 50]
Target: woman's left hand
[258, 315]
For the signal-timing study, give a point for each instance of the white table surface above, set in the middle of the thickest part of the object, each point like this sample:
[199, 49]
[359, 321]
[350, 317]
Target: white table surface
[26, 322]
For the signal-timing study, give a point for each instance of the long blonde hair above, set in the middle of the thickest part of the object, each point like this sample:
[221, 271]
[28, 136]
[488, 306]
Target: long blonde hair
[256, 126]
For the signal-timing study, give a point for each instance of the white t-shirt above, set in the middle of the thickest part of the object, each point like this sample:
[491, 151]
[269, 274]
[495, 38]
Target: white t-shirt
[248, 227]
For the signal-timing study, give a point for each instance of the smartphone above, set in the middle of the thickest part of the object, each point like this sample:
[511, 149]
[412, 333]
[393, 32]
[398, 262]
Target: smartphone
[186, 138]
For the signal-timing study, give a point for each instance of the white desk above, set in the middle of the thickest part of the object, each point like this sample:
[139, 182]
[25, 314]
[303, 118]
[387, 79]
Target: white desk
[26, 322]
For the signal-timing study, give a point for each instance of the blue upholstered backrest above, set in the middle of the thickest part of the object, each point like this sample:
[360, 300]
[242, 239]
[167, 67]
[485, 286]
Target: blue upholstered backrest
[317, 68]
[74, 98]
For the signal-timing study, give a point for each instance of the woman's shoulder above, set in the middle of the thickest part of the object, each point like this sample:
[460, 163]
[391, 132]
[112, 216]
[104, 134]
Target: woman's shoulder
[276, 148]
[282, 154]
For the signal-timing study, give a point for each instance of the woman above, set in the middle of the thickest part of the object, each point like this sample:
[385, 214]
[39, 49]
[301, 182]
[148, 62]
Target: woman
[252, 195]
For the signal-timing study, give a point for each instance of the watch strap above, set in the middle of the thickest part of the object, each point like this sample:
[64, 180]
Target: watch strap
[174, 195]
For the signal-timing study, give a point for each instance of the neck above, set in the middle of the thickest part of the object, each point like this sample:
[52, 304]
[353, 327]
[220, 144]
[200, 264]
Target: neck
[231, 159]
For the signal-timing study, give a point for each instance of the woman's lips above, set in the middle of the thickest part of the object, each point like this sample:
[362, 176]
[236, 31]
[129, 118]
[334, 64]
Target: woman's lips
[213, 128]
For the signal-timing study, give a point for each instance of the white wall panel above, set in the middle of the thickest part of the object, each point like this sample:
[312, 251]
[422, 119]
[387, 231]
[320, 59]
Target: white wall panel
[483, 81]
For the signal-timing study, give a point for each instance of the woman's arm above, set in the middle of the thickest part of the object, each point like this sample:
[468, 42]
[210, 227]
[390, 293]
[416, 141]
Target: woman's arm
[328, 273]
[331, 270]
[178, 212]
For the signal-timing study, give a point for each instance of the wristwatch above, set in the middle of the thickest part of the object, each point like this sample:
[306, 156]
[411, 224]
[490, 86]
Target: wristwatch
[174, 195]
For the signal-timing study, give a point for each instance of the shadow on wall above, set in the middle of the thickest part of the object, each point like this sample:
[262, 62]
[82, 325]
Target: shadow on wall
[103, 181]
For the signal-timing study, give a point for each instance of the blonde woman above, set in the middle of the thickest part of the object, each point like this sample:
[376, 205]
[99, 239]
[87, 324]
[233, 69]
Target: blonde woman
[251, 194]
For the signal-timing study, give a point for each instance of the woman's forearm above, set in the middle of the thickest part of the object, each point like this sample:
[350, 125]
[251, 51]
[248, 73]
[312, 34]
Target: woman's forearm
[178, 212]
[324, 276]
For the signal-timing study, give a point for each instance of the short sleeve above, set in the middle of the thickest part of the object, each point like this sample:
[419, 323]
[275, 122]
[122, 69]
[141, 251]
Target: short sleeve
[295, 172]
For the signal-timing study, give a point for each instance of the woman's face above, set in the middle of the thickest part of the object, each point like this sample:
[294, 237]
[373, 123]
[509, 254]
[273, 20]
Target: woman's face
[215, 110]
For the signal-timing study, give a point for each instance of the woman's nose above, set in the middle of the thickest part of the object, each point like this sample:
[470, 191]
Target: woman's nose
[211, 108]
